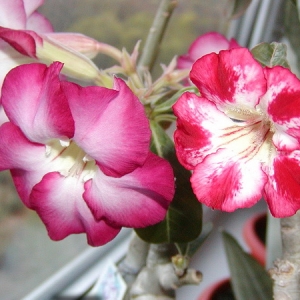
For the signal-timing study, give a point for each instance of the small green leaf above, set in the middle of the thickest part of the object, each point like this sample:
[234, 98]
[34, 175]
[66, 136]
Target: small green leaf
[166, 106]
[183, 221]
[270, 55]
[235, 8]
[249, 279]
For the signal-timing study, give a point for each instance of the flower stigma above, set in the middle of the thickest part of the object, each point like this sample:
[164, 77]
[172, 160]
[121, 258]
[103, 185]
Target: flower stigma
[70, 160]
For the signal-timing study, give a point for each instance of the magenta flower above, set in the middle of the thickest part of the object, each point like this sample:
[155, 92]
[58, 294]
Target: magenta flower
[205, 44]
[80, 156]
[241, 137]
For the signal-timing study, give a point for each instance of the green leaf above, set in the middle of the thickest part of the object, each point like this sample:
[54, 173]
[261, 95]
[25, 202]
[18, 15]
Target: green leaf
[166, 106]
[189, 249]
[270, 55]
[183, 222]
[236, 8]
[249, 279]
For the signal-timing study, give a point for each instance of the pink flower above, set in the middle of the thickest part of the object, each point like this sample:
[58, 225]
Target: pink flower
[80, 156]
[205, 44]
[241, 138]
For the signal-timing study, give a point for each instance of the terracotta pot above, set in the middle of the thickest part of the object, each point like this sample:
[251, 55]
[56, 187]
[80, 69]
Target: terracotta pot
[220, 290]
[254, 233]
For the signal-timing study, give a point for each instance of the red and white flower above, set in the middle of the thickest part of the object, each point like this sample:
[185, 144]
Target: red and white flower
[241, 137]
[80, 156]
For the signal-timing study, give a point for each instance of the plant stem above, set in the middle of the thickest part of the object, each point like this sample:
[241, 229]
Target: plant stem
[156, 33]
[286, 271]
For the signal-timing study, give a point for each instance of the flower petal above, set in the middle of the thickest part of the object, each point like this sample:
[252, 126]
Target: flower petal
[111, 126]
[10, 58]
[199, 129]
[25, 159]
[282, 191]
[38, 23]
[205, 44]
[208, 43]
[58, 201]
[137, 199]
[31, 5]
[232, 77]
[224, 182]
[33, 100]
[282, 102]
[12, 14]
[23, 41]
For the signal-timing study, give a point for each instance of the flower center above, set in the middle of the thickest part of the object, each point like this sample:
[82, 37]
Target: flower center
[250, 135]
[70, 160]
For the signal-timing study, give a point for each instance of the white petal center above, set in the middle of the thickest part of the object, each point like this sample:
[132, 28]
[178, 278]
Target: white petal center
[70, 160]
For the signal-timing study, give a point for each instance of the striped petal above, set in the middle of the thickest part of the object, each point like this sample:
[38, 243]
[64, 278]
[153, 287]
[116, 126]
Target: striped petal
[282, 191]
[282, 102]
[200, 127]
[224, 182]
[230, 78]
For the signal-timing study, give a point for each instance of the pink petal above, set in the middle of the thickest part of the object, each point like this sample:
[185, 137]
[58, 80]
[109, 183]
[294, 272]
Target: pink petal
[199, 129]
[58, 201]
[184, 62]
[39, 23]
[23, 41]
[137, 199]
[32, 5]
[12, 14]
[10, 58]
[25, 159]
[111, 126]
[32, 99]
[204, 44]
[223, 181]
[16, 151]
[232, 77]
[282, 191]
[208, 43]
[282, 100]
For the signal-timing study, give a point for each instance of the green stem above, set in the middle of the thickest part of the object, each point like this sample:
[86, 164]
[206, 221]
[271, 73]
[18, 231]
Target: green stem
[156, 33]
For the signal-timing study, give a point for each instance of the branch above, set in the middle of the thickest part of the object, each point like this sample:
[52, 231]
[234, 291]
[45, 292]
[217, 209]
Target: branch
[159, 279]
[286, 271]
[156, 33]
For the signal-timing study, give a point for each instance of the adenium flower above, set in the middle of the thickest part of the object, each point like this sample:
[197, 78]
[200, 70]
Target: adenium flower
[205, 44]
[80, 156]
[241, 136]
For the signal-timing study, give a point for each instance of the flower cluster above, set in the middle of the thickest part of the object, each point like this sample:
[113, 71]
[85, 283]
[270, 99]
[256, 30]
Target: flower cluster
[241, 136]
